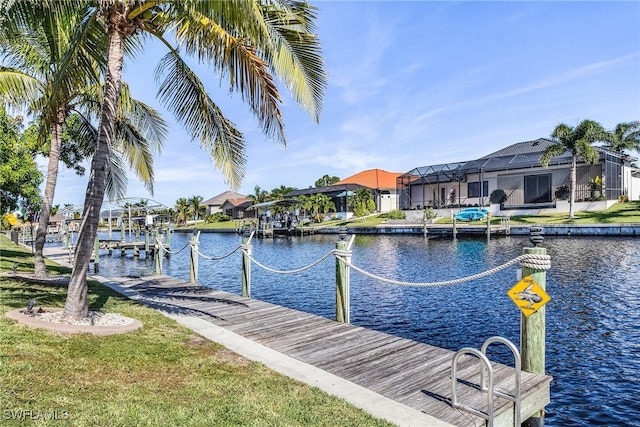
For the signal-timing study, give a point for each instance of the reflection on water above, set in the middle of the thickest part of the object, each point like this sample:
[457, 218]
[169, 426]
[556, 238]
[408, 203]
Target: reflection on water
[593, 325]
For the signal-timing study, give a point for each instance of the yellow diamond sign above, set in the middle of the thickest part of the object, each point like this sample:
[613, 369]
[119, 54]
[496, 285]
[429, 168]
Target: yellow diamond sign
[528, 296]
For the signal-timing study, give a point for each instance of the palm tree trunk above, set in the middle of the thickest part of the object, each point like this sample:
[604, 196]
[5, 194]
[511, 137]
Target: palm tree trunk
[572, 181]
[40, 270]
[77, 304]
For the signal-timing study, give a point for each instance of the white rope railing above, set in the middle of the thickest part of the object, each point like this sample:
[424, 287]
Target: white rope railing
[535, 261]
[164, 248]
[297, 270]
[212, 258]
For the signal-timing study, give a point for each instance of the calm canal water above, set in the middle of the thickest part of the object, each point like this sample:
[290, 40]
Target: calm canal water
[593, 324]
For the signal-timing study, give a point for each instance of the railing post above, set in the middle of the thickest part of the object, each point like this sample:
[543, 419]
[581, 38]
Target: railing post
[193, 277]
[343, 302]
[246, 266]
[532, 334]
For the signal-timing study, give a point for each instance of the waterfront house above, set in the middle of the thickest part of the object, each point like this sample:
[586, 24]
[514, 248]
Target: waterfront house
[236, 208]
[517, 171]
[215, 203]
[381, 183]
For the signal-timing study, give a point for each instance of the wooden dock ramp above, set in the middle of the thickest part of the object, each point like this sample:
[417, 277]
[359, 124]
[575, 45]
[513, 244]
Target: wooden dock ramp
[411, 373]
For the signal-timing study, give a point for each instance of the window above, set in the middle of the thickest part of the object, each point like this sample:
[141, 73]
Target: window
[473, 189]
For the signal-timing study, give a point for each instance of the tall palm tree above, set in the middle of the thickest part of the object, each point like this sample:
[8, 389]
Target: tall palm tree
[40, 75]
[181, 210]
[577, 141]
[195, 207]
[626, 136]
[246, 40]
[259, 195]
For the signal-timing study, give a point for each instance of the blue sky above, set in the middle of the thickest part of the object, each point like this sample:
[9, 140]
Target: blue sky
[416, 83]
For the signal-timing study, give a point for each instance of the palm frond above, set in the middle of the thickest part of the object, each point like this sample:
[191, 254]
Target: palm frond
[135, 150]
[551, 152]
[182, 92]
[238, 59]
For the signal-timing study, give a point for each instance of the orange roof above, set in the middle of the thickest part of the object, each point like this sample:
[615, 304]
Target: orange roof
[373, 178]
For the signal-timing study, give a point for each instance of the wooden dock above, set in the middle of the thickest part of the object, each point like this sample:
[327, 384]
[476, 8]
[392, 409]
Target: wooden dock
[411, 373]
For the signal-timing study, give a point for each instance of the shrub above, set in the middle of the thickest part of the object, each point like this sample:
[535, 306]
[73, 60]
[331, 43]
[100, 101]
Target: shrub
[623, 198]
[562, 192]
[216, 217]
[430, 213]
[498, 196]
[396, 214]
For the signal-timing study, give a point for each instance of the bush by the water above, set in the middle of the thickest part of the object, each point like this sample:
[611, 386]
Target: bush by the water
[396, 214]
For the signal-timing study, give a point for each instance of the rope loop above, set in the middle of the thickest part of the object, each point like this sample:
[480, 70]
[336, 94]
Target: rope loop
[211, 258]
[167, 250]
[298, 270]
[534, 261]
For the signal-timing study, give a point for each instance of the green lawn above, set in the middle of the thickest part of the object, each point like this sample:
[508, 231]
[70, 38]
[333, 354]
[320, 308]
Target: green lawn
[620, 213]
[160, 375]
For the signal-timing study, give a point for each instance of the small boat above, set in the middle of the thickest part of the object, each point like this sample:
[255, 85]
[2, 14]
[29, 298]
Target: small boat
[472, 214]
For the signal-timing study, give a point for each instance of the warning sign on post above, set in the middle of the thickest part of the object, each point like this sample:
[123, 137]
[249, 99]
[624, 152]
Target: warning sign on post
[528, 296]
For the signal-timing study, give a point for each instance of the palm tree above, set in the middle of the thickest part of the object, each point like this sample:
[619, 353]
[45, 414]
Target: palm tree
[195, 207]
[626, 136]
[245, 40]
[41, 76]
[326, 180]
[577, 141]
[279, 193]
[181, 210]
[259, 195]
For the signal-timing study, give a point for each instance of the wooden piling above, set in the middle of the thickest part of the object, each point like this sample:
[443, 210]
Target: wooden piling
[454, 227]
[488, 227]
[158, 258]
[246, 268]
[342, 286]
[533, 335]
[193, 276]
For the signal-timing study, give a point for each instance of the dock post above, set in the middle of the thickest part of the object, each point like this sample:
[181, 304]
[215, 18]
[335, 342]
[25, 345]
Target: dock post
[454, 227]
[67, 236]
[532, 334]
[343, 309]
[246, 267]
[488, 227]
[193, 276]
[146, 241]
[158, 258]
[122, 231]
[96, 254]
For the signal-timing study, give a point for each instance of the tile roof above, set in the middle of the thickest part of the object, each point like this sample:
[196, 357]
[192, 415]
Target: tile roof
[373, 178]
[222, 197]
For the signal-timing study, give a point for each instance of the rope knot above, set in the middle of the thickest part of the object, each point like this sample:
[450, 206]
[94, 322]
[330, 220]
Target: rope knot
[535, 261]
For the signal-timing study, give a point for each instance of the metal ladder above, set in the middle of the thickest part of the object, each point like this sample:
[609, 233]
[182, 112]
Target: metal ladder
[486, 380]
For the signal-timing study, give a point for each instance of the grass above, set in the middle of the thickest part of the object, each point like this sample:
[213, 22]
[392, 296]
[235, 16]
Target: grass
[620, 213]
[161, 374]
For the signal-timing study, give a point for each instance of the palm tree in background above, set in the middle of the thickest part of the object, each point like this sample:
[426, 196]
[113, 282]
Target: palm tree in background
[181, 210]
[40, 75]
[626, 136]
[577, 141]
[259, 195]
[244, 40]
[196, 207]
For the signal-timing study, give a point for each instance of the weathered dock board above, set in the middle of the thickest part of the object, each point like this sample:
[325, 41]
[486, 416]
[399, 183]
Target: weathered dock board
[414, 374]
